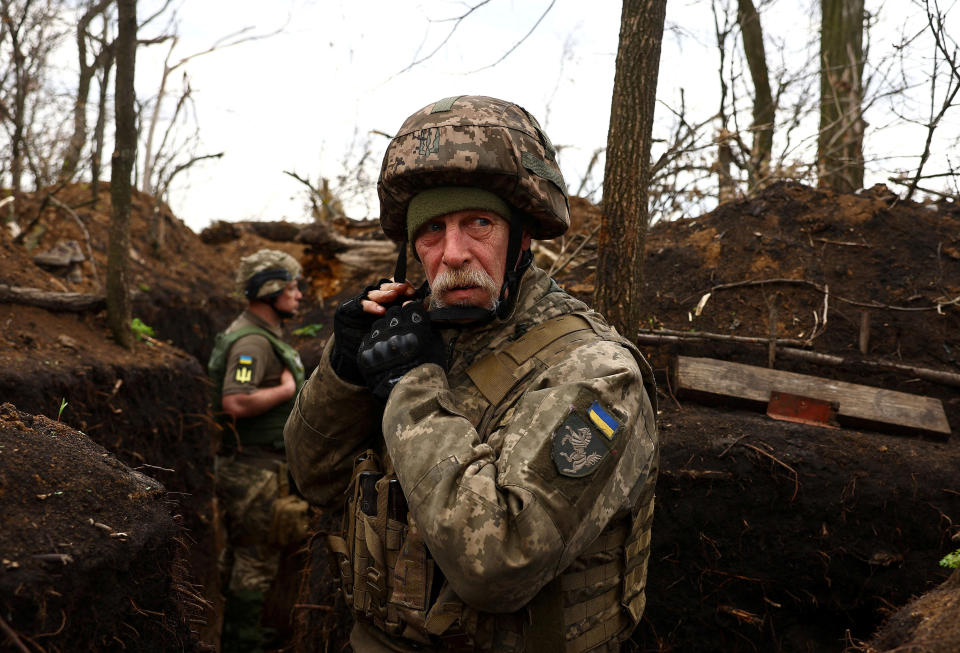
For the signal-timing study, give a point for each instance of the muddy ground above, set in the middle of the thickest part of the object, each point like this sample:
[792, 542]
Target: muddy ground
[768, 535]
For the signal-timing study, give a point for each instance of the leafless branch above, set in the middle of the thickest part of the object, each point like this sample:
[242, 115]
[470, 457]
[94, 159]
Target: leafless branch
[520, 41]
[935, 23]
[456, 23]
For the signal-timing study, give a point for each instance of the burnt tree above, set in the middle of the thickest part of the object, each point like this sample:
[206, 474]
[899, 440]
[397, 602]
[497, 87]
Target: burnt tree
[626, 177]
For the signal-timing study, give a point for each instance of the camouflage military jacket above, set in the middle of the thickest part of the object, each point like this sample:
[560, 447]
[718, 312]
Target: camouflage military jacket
[505, 504]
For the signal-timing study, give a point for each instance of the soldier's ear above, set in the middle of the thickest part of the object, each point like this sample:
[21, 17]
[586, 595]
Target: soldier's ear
[525, 241]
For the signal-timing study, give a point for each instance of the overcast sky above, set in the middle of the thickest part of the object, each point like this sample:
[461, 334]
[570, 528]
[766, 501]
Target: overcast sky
[307, 97]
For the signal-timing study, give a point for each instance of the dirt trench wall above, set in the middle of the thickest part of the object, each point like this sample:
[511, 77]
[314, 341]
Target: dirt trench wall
[776, 536]
[153, 417]
[188, 322]
[89, 548]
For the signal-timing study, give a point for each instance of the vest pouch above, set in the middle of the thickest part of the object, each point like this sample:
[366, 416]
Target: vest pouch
[369, 568]
[412, 579]
[391, 500]
[349, 554]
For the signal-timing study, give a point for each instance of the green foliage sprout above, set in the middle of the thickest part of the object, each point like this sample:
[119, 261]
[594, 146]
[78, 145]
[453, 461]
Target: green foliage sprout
[140, 329]
[310, 330]
[63, 404]
[951, 560]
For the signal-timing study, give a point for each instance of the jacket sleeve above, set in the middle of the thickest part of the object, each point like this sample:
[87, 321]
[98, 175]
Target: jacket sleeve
[499, 517]
[332, 421]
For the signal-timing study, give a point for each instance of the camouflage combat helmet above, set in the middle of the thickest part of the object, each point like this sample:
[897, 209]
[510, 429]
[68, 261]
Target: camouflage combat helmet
[479, 141]
[264, 274]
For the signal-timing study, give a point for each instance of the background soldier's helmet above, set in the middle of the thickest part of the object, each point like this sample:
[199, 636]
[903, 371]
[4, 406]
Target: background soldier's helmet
[474, 141]
[264, 274]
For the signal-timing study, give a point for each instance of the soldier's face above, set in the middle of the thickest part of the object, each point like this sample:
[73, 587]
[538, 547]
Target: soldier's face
[289, 299]
[463, 256]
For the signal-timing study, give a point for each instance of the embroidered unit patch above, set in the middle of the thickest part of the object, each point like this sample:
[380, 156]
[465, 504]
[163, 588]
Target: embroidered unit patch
[603, 420]
[578, 448]
[244, 369]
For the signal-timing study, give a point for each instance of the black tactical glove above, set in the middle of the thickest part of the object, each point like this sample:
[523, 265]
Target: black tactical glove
[400, 341]
[350, 324]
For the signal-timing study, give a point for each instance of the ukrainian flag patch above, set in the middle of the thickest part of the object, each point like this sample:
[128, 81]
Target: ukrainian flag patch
[604, 422]
[244, 369]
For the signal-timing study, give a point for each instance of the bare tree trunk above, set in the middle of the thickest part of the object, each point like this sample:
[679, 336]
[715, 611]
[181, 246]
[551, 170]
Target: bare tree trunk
[14, 26]
[626, 213]
[118, 294]
[726, 186]
[96, 157]
[764, 110]
[840, 141]
[75, 148]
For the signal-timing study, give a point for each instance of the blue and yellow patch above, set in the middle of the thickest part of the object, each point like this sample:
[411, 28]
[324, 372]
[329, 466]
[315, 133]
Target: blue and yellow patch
[603, 420]
[584, 439]
[244, 373]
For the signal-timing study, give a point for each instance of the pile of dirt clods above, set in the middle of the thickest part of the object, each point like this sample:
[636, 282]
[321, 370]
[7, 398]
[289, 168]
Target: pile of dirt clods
[768, 535]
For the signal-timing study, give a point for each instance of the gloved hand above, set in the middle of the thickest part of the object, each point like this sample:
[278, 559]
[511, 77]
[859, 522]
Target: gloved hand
[400, 341]
[350, 324]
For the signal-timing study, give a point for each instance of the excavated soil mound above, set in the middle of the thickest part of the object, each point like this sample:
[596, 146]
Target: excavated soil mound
[88, 546]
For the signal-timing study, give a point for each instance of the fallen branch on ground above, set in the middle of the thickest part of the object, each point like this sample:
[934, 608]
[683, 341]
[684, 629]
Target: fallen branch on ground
[665, 336]
[64, 302]
[940, 302]
[706, 335]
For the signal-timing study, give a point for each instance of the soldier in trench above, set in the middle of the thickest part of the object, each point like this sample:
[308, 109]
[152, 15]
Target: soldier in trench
[494, 439]
[255, 376]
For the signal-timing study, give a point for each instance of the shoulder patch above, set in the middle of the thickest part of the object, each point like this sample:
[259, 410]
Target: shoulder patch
[602, 419]
[580, 445]
[244, 372]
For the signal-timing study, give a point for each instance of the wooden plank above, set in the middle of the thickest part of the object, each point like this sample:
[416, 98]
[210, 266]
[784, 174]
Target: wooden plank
[856, 404]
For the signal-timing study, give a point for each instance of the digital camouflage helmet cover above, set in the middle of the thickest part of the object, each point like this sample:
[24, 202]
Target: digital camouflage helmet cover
[265, 273]
[472, 140]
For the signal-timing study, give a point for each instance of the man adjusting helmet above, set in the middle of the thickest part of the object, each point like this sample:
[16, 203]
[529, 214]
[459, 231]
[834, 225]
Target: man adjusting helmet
[495, 439]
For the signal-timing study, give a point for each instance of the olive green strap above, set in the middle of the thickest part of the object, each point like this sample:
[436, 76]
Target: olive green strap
[494, 374]
[445, 104]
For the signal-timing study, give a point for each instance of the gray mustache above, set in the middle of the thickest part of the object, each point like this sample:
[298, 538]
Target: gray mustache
[461, 278]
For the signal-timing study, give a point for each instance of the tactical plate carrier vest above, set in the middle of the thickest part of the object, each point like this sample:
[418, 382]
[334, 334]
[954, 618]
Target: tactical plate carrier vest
[266, 428]
[389, 578]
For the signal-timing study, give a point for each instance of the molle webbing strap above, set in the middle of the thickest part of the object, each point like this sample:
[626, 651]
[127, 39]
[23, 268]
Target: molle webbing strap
[606, 631]
[539, 167]
[494, 373]
[445, 104]
[637, 552]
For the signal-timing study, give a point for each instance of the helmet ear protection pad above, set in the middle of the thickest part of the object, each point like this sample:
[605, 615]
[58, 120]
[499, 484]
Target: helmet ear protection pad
[260, 278]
